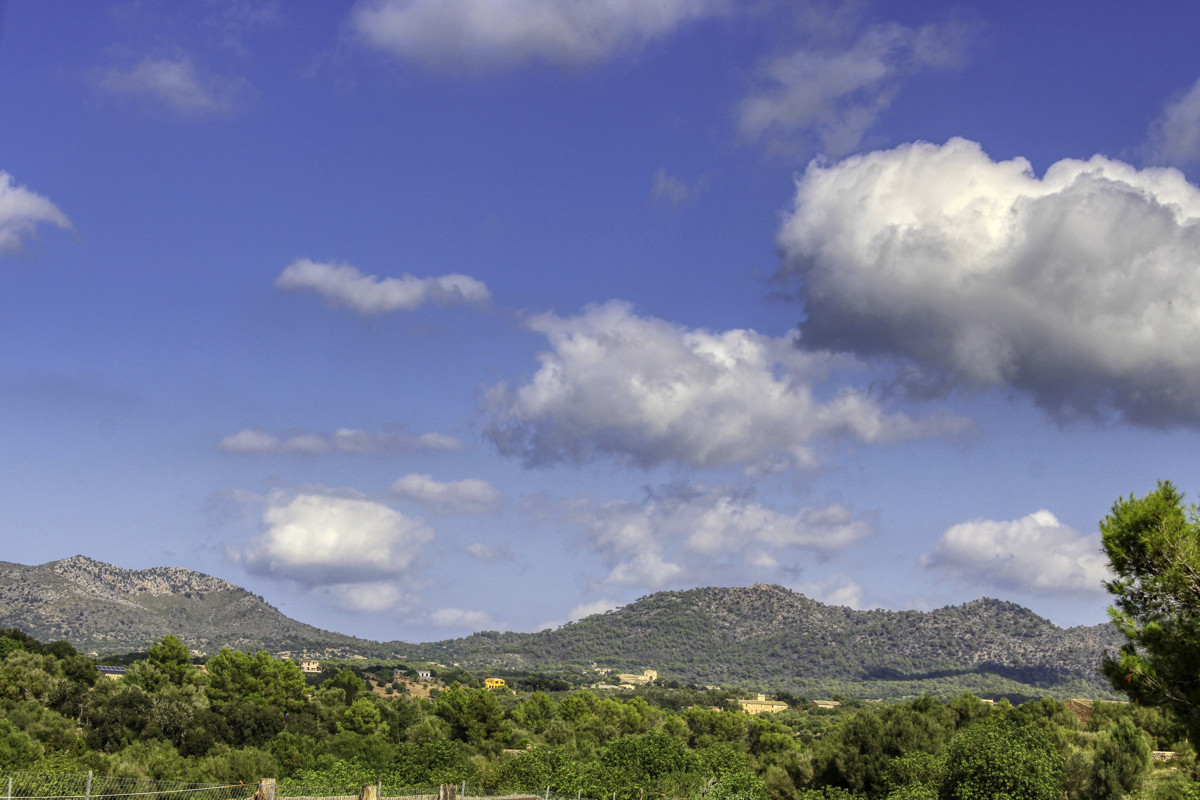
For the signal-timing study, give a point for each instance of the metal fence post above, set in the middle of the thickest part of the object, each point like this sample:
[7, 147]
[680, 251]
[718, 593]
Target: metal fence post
[87, 792]
[10, 787]
[464, 791]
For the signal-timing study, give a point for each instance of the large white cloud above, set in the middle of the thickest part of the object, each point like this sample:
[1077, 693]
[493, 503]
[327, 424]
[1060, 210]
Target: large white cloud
[178, 84]
[468, 496]
[343, 285]
[648, 391]
[258, 442]
[834, 94]
[471, 34]
[324, 540]
[697, 534]
[1035, 554]
[1079, 287]
[21, 211]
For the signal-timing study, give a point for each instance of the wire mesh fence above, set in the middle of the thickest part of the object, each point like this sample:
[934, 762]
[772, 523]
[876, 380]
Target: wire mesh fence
[61, 786]
[88, 786]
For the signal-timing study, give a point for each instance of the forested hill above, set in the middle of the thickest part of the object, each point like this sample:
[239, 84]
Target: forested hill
[782, 639]
[764, 637]
[101, 607]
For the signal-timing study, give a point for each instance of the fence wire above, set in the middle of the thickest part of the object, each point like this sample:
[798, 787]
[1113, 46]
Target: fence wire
[87, 786]
[67, 786]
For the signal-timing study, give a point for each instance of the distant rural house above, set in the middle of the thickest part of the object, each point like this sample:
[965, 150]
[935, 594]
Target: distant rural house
[826, 703]
[310, 665]
[761, 705]
[424, 674]
[113, 673]
[494, 683]
[649, 676]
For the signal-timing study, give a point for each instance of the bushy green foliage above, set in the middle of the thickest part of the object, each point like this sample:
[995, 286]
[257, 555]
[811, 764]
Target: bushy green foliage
[1001, 759]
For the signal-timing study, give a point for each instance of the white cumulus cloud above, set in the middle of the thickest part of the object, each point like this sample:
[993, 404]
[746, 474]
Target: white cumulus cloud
[489, 552]
[473, 34]
[647, 391]
[698, 534]
[257, 442]
[324, 540]
[469, 496]
[21, 211]
[368, 597]
[835, 94]
[1036, 554]
[343, 285]
[176, 83]
[1079, 287]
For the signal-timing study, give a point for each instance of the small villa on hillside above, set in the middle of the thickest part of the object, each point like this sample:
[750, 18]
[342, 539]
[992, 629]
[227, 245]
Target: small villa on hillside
[647, 677]
[310, 665]
[494, 683]
[761, 705]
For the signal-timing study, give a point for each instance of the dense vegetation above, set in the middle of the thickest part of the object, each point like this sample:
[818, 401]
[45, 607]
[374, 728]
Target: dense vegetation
[248, 716]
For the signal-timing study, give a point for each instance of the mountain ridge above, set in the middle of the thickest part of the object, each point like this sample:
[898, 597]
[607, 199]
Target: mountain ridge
[763, 635]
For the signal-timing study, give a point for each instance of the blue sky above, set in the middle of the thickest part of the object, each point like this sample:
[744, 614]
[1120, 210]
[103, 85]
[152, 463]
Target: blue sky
[421, 317]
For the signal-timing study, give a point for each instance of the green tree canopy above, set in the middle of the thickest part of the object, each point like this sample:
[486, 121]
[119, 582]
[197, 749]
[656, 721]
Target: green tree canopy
[1153, 547]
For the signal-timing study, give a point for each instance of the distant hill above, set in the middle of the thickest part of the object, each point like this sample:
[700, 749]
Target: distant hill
[770, 636]
[762, 636]
[102, 608]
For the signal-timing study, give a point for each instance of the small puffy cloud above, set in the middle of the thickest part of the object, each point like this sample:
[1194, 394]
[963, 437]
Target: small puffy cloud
[462, 618]
[835, 94]
[257, 442]
[649, 392]
[1175, 137]
[835, 590]
[319, 539]
[470, 496]
[1079, 287]
[21, 211]
[367, 597]
[177, 84]
[697, 534]
[343, 285]
[671, 191]
[1035, 554]
[477, 34]
[489, 552]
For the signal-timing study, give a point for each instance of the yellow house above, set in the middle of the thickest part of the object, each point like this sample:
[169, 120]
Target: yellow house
[761, 705]
[494, 683]
[310, 665]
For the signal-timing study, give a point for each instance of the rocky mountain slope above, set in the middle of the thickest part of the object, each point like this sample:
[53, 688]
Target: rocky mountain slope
[103, 608]
[759, 636]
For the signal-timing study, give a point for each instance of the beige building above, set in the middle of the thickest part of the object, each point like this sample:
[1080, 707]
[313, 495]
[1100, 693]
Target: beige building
[649, 676]
[761, 705]
[494, 683]
[310, 665]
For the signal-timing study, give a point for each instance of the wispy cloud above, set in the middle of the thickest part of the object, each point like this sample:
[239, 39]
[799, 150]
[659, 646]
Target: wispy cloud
[258, 442]
[343, 285]
[176, 83]
[833, 95]
[21, 211]
[1075, 287]
[1175, 136]
[699, 534]
[473, 34]
[469, 496]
